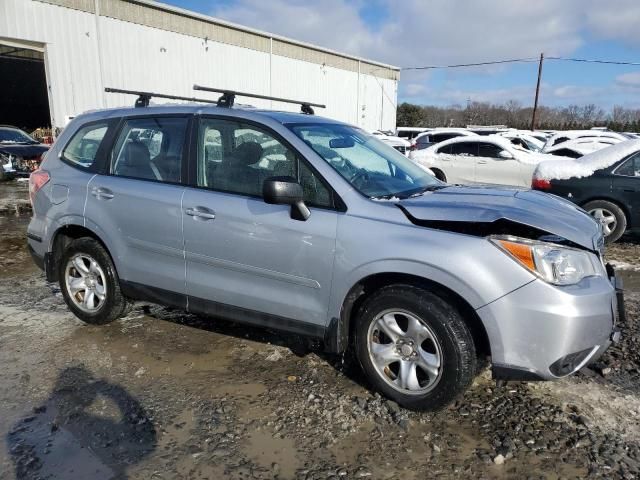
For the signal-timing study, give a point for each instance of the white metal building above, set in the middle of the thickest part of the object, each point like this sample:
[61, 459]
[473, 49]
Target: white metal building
[83, 46]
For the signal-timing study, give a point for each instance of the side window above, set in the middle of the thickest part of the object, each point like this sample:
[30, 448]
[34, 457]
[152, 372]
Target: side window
[630, 168]
[466, 149]
[83, 146]
[489, 150]
[150, 149]
[236, 157]
[565, 152]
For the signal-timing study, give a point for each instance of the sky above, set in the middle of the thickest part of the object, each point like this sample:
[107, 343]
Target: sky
[412, 33]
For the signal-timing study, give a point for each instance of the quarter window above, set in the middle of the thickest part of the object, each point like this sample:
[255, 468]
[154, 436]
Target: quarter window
[150, 149]
[83, 146]
[237, 158]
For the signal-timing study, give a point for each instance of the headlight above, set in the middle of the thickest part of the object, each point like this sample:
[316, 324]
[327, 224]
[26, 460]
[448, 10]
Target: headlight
[555, 264]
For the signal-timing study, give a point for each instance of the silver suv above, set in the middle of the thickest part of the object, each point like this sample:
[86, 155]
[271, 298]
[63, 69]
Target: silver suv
[312, 226]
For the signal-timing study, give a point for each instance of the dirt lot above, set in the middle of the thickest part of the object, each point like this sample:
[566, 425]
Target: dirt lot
[163, 394]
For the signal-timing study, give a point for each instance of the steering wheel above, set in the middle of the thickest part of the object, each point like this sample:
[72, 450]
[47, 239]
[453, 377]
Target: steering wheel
[360, 174]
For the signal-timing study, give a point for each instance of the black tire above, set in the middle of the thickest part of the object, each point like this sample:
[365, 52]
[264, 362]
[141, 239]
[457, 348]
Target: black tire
[459, 359]
[621, 218]
[115, 304]
[439, 174]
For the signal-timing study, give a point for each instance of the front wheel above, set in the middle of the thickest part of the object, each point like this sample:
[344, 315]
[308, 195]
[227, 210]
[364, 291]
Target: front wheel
[610, 216]
[89, 282]
[414, 347]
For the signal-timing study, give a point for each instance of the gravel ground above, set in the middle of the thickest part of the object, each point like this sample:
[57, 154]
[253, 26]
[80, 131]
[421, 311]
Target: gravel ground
[166, 395]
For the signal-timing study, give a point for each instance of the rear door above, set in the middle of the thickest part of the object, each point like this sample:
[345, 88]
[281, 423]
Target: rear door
[626, 187]
[458, 162]
[136, 201]
[244, 253]
[491, 168]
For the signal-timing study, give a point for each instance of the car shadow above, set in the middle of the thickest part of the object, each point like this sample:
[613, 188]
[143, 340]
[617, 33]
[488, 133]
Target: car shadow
[298, 345]
[65, 437]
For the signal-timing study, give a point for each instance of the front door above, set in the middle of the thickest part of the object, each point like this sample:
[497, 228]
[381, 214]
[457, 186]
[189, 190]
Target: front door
[244, 253]
[491, 168]
[137, 202]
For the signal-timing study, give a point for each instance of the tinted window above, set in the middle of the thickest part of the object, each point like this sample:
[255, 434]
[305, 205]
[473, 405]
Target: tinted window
[83, 146]
[560, 140]
[441, 137]
[631, 167]
[489, 150]
[467, 149]
[237, 158]
[565, 152]
[150, 149]
[424, 140]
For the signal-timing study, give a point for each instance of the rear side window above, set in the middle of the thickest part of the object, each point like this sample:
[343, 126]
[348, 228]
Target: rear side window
[150, 149]
[83, 146]
[467, 149]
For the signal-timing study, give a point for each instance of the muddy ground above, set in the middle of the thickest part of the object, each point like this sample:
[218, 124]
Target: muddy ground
[166, 395]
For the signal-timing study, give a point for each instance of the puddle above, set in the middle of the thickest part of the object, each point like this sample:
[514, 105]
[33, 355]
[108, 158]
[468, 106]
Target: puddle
[14, 198]
[276, 454]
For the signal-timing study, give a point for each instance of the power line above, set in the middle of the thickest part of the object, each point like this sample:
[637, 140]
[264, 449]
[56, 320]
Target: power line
[522, 60]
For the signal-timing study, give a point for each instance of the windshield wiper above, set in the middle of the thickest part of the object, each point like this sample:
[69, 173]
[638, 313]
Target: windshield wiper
[421, 191]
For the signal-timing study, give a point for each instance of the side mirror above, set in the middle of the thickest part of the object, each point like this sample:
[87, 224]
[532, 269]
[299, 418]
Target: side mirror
[505, 155]
[286, 191]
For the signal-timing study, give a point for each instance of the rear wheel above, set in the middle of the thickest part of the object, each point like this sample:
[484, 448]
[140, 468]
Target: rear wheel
[89, 282]
[610, 216]
[414, 347]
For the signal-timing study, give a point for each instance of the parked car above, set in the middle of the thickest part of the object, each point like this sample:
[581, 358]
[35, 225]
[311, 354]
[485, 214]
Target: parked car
[19, 153]
[563, 136]
[605, 183]
[491, 160]
[524, 140]
[400, 144]
[578, 147]
[409, 133]
[343, 240]
[437, 135]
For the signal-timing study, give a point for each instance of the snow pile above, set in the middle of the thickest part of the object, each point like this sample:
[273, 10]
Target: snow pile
[587, 165]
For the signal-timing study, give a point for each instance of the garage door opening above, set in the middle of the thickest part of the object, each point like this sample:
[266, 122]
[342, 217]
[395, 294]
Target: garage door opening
[23, 95]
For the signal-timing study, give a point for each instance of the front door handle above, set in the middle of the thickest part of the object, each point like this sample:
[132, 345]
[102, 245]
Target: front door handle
[201, 212]
[102, 193]
[482, 162]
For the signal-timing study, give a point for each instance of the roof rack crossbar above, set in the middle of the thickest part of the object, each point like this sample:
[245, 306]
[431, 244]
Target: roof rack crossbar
[228, 97]
[144, 97]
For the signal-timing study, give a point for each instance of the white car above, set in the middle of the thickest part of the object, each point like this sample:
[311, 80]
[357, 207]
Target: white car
[437, 135]
[491, 160]
[525, 140]
[578, 147]
[561, 137]
[398, 143]
[409, 133]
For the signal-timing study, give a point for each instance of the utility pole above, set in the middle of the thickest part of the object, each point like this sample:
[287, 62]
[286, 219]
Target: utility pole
[535, 103]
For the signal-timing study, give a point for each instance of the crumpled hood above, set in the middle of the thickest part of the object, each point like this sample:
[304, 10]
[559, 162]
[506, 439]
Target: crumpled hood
[480, 204]
[24, 151]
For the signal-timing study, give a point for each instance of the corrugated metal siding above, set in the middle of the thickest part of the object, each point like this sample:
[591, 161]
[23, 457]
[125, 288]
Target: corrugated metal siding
[136, 56]
[83, 5]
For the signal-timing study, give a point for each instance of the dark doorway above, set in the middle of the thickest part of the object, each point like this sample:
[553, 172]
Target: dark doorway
[23, 90]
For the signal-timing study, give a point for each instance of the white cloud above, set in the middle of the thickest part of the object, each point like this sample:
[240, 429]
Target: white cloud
[629, 80]
[418, 33]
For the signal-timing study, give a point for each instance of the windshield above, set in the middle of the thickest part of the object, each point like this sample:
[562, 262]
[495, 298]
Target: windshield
[372, 167]
[13, 135]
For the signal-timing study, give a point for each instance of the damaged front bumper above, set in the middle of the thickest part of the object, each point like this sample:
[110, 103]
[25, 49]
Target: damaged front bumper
[544, 332]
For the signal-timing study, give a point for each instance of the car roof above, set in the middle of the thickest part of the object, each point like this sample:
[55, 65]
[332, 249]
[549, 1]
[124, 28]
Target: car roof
[241, 111]
[500, 141]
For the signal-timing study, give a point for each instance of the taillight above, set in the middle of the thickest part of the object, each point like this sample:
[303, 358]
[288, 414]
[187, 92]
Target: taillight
[540, 184]
[37, 180]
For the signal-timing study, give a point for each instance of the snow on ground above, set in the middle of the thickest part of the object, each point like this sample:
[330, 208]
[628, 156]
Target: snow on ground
[587, 165]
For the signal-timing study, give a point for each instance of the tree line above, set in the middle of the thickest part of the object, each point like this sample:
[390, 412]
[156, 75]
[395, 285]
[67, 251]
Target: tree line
[514, 115]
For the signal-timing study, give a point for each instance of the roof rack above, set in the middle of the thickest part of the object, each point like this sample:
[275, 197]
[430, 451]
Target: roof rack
[228, 97]
[144, 97]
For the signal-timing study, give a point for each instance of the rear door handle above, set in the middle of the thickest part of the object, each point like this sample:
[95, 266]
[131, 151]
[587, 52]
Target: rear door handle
[201, 212]
[102, 193]
[482, 162]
